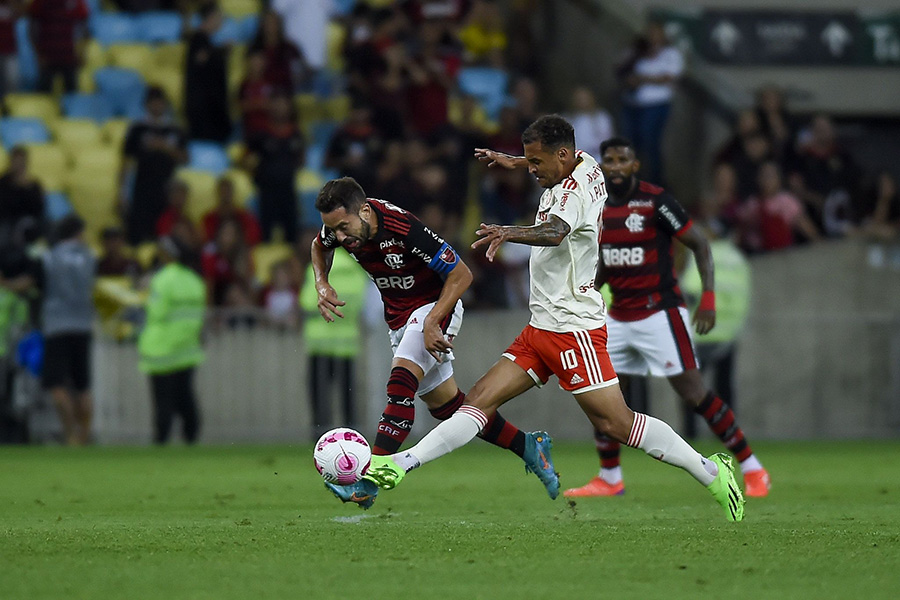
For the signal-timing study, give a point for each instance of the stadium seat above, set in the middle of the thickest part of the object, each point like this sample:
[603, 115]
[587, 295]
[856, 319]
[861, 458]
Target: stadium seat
[229, 33]
[124, 88]
[321, 132]
[207, 156]
[56, 206]
[38, 106]
[95, 55]
[486, 84]
[4, 159]
[16, 130]
[236, 68]
[114, 28]
[243, 186]
[267, 255]
[171, 55]
[104, 159]
[139, 57]
[335, 36]
[337, 108]
[240, 8]
[49, 165]
[87, 106]
[145, 254]
[249, 27]
[160, 27]
[93, 193]
[28, 63]
[73, 135]
[308, 109]
[202, 185]
[236, 152]
[114, 132]
[170, 79]
[315, 157]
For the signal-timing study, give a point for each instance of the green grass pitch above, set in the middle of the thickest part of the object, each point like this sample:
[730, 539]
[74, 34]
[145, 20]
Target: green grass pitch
[256, 522]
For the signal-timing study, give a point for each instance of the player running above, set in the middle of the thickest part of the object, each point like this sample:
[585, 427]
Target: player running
[648, 321]
[421, 279]
[567, 335]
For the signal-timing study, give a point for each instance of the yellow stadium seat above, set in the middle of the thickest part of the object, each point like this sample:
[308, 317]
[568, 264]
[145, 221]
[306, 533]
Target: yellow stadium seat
[170, 55]
[86, 82]
[240, 8]
[98, 158]
[144, 254]
[170, 79]
[309, 180]
[4, 159]
[139, 57]
[40, 106]
[335, 36]
[236, 152]
[202, 185]
[93, 193]
[236, 67]
[337, 108]
[48, 164]
[95, 56]
[74, 135]
[243, 186]
[266, 255]
[114, 132]
[309, 108]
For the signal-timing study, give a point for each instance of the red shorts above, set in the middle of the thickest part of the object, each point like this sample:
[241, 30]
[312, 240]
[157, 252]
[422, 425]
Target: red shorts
[578, 358]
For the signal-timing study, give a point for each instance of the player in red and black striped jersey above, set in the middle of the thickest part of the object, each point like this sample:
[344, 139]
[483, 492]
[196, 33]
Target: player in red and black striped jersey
[648, 321]
[421, 279]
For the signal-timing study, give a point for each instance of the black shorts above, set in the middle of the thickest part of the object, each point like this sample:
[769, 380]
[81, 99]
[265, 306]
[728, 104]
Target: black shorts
[67, 361]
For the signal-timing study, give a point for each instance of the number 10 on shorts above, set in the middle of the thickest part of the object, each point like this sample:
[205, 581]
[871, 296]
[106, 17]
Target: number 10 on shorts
[568, 359]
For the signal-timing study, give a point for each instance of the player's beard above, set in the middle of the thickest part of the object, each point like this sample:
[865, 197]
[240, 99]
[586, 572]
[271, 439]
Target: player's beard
[620, 190]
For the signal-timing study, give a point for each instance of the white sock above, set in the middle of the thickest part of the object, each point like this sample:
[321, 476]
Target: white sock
[611, 476]
[447, 436]
[661, 442]
[751, 464]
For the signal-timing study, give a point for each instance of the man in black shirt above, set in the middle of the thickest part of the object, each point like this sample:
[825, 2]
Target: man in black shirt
[206, 80]
[154, 147]
[276, 156]
[21, 196]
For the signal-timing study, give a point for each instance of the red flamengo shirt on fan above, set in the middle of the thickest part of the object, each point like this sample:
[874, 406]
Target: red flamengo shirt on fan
[637, 254]
[406, 260]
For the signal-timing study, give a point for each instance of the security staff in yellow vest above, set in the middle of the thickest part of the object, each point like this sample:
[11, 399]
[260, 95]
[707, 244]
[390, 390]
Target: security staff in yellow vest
[169, 345]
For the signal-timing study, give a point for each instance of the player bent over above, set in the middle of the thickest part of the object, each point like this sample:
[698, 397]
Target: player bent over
[648, 321]
[421, 279]
[567, 334]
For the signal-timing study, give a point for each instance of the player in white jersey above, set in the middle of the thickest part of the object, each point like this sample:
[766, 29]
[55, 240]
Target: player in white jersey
[566, 336]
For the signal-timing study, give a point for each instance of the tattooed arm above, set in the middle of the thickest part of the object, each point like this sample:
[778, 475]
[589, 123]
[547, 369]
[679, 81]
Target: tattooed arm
[549, 233]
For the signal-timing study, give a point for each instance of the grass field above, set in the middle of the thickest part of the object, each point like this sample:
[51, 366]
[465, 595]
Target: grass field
[255, 522]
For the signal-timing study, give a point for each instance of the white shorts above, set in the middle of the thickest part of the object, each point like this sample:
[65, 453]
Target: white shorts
[408, 342]
[659, 345]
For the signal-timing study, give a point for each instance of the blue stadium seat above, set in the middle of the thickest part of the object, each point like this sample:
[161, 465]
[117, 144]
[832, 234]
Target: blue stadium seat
[231, 32]
[322, 132]
[28, 64]
[87, 106]
[114, 28]
[56, 206]
[93, 6]
[123, 88]
[486, 84]
[15, 131]
[207, 156]
[315, 157]
[159, 27]
[249, 26]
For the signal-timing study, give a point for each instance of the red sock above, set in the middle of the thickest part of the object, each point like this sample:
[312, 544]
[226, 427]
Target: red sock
[501, 432]
[399, 414]
[720, 418]
[446, 410]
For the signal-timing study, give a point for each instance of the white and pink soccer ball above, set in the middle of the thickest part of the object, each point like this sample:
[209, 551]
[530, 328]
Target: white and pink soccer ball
[342, 456]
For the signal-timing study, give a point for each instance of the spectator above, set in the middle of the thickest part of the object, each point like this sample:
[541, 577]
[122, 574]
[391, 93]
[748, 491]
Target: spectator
[10, 11]
[169, 345]
[432, 73]
[755, 150]
[57, 29]
[746, 125]
[353, 147]
[775, 122]
[650, 83]
[276, 157]
[718, 209]
[285, 66]
[153, 148]
[206, 80]
[114, 261]
[254, 95]
[826, 178]
[525, 97]
[178, 194]
[227, 269]
[306, 27]
[482, 35]
[279, 298]
[883, 208]
[68, 272]
[21, 196]
[592, 124]
[227, 210]
[774, 218]
[332, 348]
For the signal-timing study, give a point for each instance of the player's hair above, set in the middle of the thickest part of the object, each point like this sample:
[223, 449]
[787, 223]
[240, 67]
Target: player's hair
[343, 192]
[552, 131]
[615, 142]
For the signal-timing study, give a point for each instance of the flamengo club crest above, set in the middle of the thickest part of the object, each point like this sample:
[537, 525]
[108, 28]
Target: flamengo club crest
[394, 261]
[634, 223]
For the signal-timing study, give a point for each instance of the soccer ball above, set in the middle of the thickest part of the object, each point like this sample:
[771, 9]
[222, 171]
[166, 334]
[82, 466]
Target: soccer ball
[342, 456]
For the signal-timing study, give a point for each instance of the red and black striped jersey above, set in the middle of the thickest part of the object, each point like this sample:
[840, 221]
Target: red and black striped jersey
[406, 260]
[636, 251]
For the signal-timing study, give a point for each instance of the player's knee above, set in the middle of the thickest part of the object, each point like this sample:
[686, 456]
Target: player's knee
[612, 427]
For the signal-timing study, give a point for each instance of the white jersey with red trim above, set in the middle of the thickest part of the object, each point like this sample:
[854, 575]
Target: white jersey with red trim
[563, 297]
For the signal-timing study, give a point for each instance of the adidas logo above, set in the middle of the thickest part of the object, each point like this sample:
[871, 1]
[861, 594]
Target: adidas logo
[576, 379]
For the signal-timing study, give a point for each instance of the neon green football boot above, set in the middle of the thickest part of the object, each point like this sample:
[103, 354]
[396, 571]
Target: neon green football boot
[724, 488]
[384, 472]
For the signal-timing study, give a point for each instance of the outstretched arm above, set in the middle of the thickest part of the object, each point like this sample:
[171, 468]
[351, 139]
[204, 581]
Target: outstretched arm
[550, 233]
[328, 302]
[705, 315]
[500, 159]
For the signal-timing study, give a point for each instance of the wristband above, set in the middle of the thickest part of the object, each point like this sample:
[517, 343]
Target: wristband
[708, 300]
